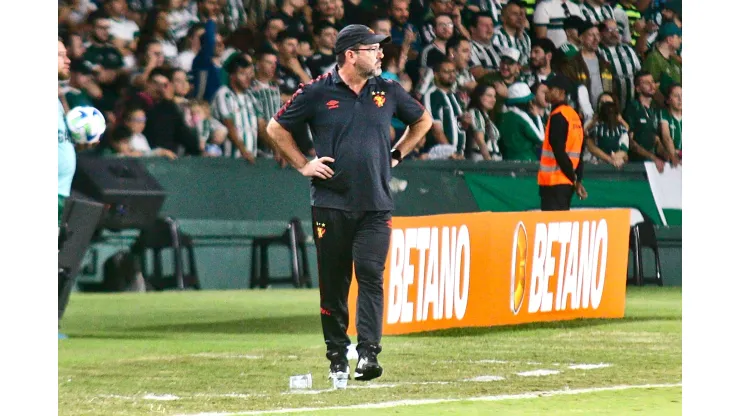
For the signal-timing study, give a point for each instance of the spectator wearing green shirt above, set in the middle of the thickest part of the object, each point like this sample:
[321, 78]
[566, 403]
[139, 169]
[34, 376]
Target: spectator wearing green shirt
[663, 63]
[521, 133]
[671, 125]
[642, 117]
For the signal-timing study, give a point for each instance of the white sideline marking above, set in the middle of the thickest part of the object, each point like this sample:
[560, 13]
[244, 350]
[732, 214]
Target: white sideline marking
[384, 405]
[538, 373]
[492, 362]
[588, 366]
[163, 397]
[486, 378]
[226, 355]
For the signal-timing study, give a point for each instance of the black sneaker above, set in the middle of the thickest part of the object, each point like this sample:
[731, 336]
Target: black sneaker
[339, 363]
[368, 367]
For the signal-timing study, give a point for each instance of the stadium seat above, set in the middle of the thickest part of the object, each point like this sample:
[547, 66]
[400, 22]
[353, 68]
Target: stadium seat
[642, 236]
[295, 240]
[165, 234]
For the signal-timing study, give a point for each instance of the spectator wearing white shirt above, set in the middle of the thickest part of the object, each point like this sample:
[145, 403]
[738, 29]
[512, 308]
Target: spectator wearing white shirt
[549, 17]
[191, 47]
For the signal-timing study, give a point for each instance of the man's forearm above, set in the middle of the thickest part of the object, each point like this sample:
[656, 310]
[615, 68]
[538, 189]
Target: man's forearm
[413, 134]
[233, 136]
[282, 141]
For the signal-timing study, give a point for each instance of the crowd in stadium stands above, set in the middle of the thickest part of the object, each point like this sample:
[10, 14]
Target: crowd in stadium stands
[203, 77]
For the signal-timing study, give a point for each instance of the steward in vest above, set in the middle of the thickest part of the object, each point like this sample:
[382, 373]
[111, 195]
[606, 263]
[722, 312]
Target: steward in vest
[561, 163]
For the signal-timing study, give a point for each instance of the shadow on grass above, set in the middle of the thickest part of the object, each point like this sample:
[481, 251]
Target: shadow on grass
[572, 324]
[295, 324]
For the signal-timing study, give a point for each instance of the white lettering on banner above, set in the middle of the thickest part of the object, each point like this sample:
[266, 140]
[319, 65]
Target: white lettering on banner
[442, 278]
[581, 270]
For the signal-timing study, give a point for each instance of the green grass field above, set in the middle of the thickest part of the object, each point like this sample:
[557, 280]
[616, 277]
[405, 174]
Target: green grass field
[231, 352]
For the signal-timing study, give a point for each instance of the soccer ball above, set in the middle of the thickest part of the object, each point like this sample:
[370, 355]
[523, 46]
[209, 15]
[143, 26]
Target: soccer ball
[86, 124]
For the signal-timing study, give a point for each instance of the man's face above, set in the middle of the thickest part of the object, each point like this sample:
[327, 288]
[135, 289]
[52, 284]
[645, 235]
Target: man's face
[540, 96]
[368, 59]
[512, 16]
[646, 86]
[243, 77]
[298, 4]
[117, 7]
[289, 47]
[446, 75]
[443, 27]
[161, 87]
[590, 39]
[610, 36]
[508, 68]
[382, 27]
[209, 7]
[484, 30]
[181, 84]
[537, 58]
[328, 38]
[101, 30]
[462, 54]
[400, 11]
[63, 63]
[327, 8]
[339, 13]
[674, 41]
[274, 27]
[675, 98]
[267, 65]
[555, 95]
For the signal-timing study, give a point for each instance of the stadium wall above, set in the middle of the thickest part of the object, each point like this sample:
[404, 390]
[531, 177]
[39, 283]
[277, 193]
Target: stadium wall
[221, 202]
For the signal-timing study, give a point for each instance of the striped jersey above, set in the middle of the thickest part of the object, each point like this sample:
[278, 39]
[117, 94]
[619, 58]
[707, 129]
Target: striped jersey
[675, 126]
[609, 139]
[484, 55]
[596, 14]
[445, 107]
[483, 124]
[502, 40]
[234, 14]
[569, 50]
[493, 8]
[626, 64]
[551, 14]
[268, 98]
[243, 110]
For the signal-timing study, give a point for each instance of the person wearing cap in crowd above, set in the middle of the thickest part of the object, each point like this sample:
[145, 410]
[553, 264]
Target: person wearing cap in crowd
[663, 62]
[349, 111]
[521, 133]
[549, 17]
[589, 71]
[508, 73]
[561, 163]
[82, 89]
[572, 44]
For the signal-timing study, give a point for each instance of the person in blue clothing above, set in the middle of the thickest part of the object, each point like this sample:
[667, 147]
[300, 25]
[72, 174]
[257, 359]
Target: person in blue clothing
[206, 71]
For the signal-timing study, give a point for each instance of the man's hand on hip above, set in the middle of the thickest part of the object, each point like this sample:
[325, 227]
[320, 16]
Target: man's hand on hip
[318, 168]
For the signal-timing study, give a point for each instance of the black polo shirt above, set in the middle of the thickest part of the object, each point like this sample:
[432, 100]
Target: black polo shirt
[355, 131]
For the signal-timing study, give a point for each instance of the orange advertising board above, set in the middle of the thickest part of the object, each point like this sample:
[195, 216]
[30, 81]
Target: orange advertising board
[486, 269]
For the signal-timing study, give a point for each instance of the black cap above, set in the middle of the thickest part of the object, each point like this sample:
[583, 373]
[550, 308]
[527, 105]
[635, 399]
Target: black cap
[80, 66]
[559, 81]
[572, 22]
[585, 26]
[353, 34]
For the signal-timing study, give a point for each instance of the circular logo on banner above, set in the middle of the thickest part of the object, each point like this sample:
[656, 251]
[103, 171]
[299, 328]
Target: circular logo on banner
[518, 268]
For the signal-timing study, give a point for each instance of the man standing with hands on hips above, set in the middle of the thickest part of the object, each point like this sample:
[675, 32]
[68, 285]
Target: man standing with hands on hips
[349, 111]
[561, 163]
